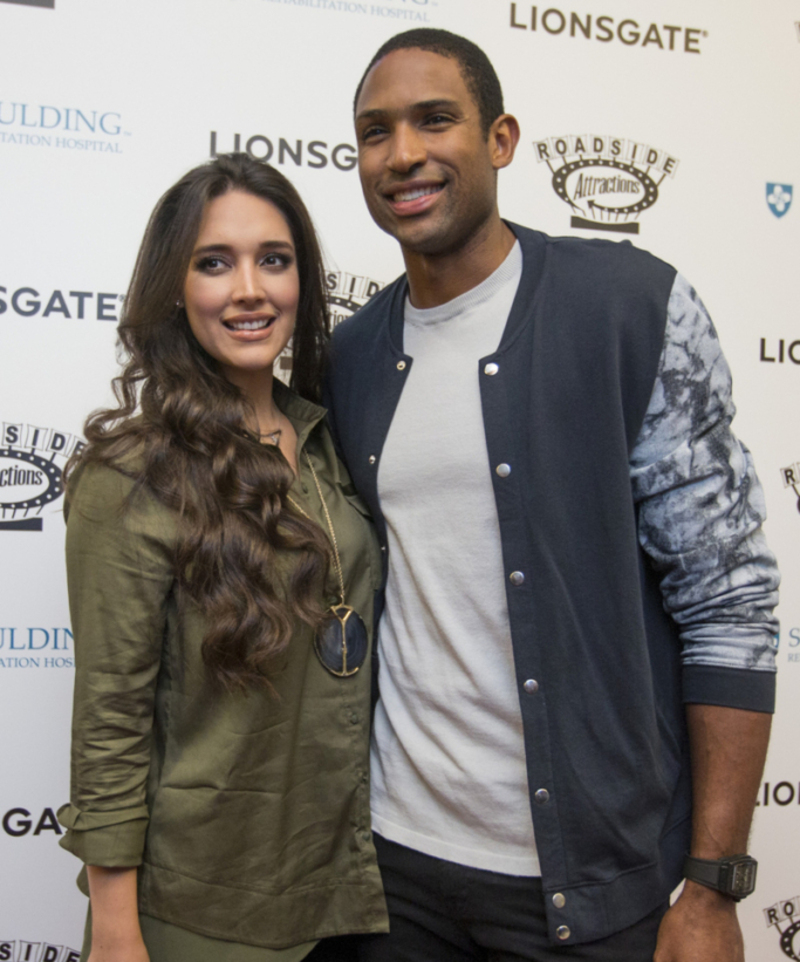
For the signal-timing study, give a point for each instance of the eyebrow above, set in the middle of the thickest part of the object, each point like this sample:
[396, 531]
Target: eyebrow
[422, 105]
[227, 248]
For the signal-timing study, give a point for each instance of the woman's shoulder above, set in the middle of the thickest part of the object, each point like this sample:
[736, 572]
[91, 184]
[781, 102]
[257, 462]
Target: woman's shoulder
[114, 492]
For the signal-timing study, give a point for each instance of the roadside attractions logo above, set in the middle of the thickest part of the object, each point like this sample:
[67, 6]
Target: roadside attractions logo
[68, 128]
[416, 11]
[19, 950]
[346, 293]
[791, 479]
[784, 917]
[628, 32]
[606, 181]
[31, 459]
[315, 154]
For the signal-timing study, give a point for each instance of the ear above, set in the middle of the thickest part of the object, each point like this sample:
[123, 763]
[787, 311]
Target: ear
[503, 139]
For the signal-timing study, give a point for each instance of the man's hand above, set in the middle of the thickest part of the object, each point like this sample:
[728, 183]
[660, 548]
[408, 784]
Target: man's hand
[700, 927]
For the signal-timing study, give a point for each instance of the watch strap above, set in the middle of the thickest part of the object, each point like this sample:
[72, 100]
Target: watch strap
[734, 875]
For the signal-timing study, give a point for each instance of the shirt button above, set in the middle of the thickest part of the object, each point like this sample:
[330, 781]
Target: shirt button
[372, 459]
[354, 719]
[503, 470]
[559, 901]
[491, 369]
[517, 578]
[401, 365]
[563, 932]
[542, 796]
[531, 686]
[365, 836]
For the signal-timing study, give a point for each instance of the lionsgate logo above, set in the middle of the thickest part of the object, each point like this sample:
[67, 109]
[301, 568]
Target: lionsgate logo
[315, 154]
[81, 305]
[784, 917]
[606, 29]
[606, 181]
[18, 950]
[68, 128]
[346, 293]
[30, 472]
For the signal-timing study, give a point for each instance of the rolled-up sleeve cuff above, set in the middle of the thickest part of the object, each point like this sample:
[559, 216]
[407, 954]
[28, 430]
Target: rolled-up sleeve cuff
[110, 839]
[729, 687]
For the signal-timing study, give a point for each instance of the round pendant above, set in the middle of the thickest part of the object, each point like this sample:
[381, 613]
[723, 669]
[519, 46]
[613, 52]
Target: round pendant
[341, 643]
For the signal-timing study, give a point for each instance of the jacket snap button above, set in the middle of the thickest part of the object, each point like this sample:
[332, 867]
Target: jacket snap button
[563, 932]
[503, 470]
[517, 578]
[401, 365]
[559, 901]
[372, 459]
[491, 369]
[541, 796]
[531, 686]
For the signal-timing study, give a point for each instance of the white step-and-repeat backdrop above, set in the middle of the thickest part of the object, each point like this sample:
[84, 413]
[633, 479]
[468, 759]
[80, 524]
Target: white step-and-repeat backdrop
[682, 118]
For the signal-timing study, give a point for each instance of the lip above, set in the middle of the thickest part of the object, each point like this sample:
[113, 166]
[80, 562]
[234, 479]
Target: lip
[417, 205]
[255, 334]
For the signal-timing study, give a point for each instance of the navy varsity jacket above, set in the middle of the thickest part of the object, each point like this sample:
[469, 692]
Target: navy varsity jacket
[602, 672]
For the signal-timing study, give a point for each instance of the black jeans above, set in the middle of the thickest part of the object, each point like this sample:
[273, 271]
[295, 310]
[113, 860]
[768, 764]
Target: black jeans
[443, 912]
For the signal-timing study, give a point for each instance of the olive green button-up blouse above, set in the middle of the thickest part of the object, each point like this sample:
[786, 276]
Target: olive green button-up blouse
[247, 814]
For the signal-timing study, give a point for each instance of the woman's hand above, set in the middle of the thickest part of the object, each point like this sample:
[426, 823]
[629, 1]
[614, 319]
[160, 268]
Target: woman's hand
[116, 934]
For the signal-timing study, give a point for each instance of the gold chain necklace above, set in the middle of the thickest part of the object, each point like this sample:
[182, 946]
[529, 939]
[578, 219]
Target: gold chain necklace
[341, 643]
[336, 559]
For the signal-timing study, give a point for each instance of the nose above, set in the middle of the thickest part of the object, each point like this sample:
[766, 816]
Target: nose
[248, 287]
[407, 149]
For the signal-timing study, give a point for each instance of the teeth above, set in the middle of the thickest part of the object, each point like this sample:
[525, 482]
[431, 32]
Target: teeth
[417, 192]
[249, 325]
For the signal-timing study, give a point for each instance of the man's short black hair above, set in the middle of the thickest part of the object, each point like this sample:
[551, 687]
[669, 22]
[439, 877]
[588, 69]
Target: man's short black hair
[476, 69]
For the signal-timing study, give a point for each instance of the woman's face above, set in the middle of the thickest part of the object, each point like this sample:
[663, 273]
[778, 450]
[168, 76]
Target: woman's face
[242, 287]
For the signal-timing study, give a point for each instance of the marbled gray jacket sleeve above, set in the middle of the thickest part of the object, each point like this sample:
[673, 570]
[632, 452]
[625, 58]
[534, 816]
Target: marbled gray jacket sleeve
[700, 502]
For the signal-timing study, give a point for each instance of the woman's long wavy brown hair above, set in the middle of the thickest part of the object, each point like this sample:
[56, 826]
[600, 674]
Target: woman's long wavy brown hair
[185, 425]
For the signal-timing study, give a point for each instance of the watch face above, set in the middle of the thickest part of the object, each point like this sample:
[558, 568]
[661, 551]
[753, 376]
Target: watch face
[742, 878]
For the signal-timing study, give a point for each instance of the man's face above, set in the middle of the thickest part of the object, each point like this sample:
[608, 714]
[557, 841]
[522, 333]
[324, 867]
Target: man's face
[426, 168]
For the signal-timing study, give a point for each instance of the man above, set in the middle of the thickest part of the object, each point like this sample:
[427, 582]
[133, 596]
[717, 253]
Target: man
[576, 649]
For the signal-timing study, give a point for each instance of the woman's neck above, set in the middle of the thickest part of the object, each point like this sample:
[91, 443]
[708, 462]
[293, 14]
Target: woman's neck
[257, 388]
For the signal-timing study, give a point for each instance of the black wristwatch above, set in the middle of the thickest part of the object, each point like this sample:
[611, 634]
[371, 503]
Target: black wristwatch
[734, 876]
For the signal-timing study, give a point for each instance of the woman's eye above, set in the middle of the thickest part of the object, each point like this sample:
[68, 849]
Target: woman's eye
[276, 260]
[210, 263]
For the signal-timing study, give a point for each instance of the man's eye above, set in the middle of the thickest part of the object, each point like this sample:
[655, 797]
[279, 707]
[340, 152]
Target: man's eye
[438, 119]
[371, 132]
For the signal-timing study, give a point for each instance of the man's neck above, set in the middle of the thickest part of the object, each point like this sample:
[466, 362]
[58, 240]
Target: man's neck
[435, 279]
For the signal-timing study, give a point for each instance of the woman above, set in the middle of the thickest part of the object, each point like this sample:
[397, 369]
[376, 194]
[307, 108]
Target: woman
[221, 574]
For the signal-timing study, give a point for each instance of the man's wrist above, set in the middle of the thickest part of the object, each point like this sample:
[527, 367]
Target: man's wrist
[733, 876]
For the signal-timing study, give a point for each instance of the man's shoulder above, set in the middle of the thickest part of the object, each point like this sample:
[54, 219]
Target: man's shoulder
[591, 253]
